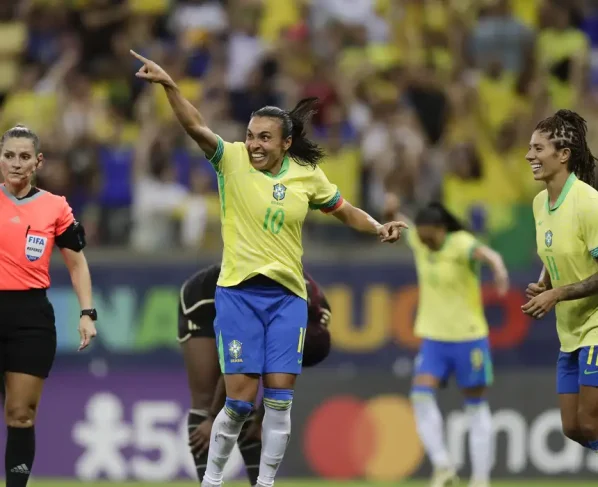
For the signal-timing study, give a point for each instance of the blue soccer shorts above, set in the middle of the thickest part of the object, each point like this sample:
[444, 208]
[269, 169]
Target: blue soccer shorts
[469, 361]
[260, 329]
[577, 368]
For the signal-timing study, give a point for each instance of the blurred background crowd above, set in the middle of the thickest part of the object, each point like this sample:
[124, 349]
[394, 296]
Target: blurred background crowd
[424, 98]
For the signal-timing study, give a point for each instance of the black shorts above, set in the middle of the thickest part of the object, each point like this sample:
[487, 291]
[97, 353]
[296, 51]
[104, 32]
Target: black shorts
[194, 326]
[197, 310]
[27, 332]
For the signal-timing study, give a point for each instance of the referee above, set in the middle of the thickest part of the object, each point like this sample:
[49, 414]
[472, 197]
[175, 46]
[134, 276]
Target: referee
[196, 335]
[31, 222]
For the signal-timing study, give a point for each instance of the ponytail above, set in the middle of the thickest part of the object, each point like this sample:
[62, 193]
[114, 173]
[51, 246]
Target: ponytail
[436, 214]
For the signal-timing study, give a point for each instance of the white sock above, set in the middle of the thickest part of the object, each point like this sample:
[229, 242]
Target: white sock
[480, 440]
[225, 432]
[276, 433]
[430, 427]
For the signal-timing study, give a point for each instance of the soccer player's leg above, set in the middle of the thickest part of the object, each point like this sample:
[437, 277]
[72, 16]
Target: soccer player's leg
[198, 345]
[432, 366]
[28, 360]
[285, 339]
[588, 395]
[250, 444]
[473, 371]
[567, 386]
[240, 345]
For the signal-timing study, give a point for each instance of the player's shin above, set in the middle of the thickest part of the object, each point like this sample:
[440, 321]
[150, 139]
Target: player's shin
[225, 431]
[194, 419]
[480, 438]
[430, 426]
[20, 451]
[276, 433]
[250, 446]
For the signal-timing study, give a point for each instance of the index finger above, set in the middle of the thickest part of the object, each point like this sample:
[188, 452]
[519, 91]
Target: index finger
[84, 343]
[139, 56]
[402, 225]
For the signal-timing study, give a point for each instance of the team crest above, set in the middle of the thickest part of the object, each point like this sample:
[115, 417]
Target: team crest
[35, 245]
[548, 238]
[279, 192]
[235, 349]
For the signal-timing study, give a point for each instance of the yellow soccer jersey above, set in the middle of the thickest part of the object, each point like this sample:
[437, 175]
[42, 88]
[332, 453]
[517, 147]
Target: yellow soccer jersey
[567, 240]
[262, 216]
[450, 298]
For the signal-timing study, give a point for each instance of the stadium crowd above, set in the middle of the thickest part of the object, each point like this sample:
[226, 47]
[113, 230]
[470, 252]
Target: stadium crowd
[424, 98]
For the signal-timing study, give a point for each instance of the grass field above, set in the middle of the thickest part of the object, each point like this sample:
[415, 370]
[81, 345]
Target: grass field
[312, 483]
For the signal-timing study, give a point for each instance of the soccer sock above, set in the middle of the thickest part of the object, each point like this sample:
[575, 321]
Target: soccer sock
[251, 450]
[593, 445]
[194, 419]
[225, 432]
[18, 459]
[480, 438]
[276, 432]
[430, 426]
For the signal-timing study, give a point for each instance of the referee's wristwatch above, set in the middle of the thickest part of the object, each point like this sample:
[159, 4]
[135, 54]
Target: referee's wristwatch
[92, 313]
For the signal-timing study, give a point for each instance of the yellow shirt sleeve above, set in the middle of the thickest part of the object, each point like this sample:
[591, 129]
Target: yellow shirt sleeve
[589, 224]
[227, 155]
[323, 195]
[466, 245]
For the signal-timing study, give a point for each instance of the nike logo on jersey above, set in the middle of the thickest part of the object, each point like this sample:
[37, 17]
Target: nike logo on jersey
[590, 372]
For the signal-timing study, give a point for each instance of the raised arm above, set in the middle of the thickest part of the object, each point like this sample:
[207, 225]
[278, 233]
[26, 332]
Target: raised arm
[187, 115]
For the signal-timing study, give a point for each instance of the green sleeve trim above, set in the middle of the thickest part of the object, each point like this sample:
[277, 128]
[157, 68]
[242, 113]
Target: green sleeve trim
[472, 250]
[217, 157]
[329, 204]
[594, 253]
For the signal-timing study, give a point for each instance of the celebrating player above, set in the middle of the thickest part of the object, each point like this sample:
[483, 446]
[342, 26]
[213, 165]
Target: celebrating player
[197, 337]
[266, 186]
[32, 222]
[451, 322]
[567, 239]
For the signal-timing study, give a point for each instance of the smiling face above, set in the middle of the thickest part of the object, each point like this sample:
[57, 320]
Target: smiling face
[265, 143]
[545, 159]
[18, 161]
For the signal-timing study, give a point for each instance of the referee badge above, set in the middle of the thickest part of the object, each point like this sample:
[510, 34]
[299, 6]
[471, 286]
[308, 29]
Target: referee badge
[548, 238]
[35, 245]
[235, 349]
[279, 191]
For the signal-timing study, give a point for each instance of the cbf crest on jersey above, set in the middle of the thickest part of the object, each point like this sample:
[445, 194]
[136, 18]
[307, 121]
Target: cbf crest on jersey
[548, 238]
[279, 191]
[35, 245]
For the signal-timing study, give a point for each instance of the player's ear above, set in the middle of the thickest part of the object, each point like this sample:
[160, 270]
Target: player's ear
[286, 144]
[565, 155]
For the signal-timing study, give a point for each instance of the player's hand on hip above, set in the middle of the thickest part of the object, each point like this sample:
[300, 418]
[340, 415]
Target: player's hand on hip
[151, 71]
[391, 232]
[534, 289]
[87, 331]
[540, 305]
[199, 440]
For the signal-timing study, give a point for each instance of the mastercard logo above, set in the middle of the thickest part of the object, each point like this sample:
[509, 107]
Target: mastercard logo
[376, 439]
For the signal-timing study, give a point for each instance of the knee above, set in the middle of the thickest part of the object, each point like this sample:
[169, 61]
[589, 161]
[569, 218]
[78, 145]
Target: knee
[19, 415]
[587, 427]
[278, 399]
[238, 410]
[574, 432]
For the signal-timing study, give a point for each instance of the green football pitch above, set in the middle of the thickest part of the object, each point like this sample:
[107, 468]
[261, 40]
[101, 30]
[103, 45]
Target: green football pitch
[311, 483]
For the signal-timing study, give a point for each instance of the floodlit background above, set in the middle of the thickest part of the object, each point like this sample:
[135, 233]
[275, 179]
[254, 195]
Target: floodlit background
[430, 99]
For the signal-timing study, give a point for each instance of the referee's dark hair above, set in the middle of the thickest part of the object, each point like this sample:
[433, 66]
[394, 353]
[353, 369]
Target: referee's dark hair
[303, 151]
[20, 131]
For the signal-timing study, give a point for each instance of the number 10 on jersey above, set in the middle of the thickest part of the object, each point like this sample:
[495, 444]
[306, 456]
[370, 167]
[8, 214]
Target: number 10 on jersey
[273, 220]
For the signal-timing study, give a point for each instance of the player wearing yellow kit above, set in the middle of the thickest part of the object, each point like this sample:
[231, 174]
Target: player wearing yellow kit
[451, 322]
[566, 215]
[267, 185]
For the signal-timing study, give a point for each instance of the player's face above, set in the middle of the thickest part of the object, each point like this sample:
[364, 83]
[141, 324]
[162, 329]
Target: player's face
[545, 160]
[431, 236]
[18, 161]
[265, 144]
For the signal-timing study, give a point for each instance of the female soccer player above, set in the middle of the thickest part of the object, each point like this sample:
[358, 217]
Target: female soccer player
[567, 239]
[197, 337]
[451, 322]
[31, 222]
[267, 185]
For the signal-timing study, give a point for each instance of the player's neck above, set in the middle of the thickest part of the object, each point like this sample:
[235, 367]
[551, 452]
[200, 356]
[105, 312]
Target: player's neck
[18, 192]
[555, 186]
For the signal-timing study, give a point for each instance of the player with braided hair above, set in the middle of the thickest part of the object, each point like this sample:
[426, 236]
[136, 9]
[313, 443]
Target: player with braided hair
[567, 239]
